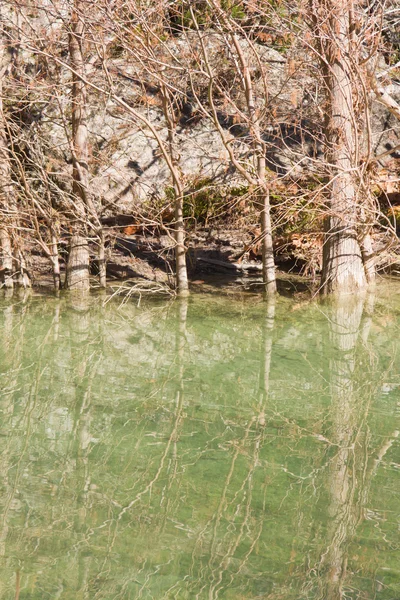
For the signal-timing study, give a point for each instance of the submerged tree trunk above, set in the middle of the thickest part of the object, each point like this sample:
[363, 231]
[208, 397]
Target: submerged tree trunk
[342, 268]
[77, 275]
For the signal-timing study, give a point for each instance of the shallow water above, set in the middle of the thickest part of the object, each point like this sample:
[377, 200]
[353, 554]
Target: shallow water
[222, 448]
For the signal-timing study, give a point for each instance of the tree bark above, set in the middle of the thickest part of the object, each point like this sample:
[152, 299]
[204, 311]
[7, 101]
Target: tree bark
[182, 284]
[268, 262]
[102, 260]
[342, 268]
[77, 274]
[7, 265]
[181, 276]
[368, 259]
[6, 259]
[55, 261]
[23, 278]
[77, 277]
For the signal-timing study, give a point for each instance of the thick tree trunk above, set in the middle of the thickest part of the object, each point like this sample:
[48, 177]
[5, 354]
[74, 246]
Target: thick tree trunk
[77, 275]
[78, 264]
[342, 269]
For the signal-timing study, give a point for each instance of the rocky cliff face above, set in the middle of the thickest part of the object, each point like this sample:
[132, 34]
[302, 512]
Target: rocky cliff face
[127, 166]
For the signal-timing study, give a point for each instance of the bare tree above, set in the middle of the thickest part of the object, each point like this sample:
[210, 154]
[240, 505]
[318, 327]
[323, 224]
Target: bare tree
[5, 178]
[251, 115]
[77, 276]
[182, 284]
[232, 91]
[343, 269]
[13, 259]
[152, 60]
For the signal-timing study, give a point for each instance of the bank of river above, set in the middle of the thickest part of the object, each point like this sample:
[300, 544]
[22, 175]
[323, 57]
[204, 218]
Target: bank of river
[216, 448]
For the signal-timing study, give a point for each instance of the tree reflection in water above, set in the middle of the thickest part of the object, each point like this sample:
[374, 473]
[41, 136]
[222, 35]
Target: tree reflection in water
[206, 449]
[350, 466]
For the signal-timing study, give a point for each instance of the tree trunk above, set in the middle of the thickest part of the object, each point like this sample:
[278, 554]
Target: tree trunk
[77, 276]
[268, 263]
[102, 261]
[182, 284]
[21, 270]
[368, 259]
[78, 264]
[342, 268]
[55, 261]
[6, 265]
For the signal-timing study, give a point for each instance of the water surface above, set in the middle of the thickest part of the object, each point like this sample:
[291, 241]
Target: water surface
[221, 448]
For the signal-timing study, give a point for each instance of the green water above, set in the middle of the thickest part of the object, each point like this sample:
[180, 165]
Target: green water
[220, 449]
